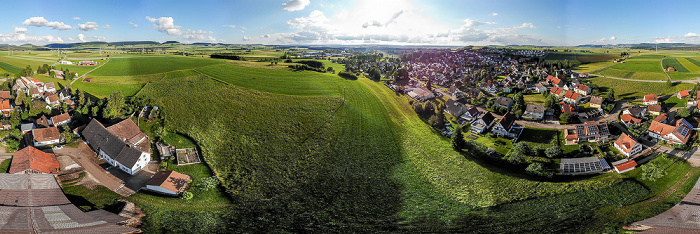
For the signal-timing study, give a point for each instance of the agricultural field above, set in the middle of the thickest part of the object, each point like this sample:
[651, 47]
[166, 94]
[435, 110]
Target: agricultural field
[643, 67]
[637, 89]
[579, 58]
[127, 65]
[673, 62]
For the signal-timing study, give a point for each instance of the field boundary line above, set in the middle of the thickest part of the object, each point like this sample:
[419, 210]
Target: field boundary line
[662, 67]
[83, 76]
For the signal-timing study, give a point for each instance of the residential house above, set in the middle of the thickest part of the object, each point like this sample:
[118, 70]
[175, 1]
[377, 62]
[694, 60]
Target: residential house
[168, 182]
[650, 99]
[630, 120]
[5, 95]
[557, 92]
[421, 94]
[118, 145]
[60, 119]
[50, 87]
[27, 127]
[30, 160]
[36, 93]
[678, 134]
[572, 97]
[654, 109]
[627, 145]
[46, 136]
[504, 102]
[453, 90]
[473, 93]
[52, 100]
[533, 111]
[455, 108]
[490, 87]
[596, 102]
[507, 127]
[590, 131]
[6, 125]
[636, 111]
[64, 94]
[582, 89]
[482, 124]
[471, 114]
[683, 94]
[540, 87]
[568, 108]
[43, 122]
[662, 118]
[6, 107]
[624, 165]
[57, 74]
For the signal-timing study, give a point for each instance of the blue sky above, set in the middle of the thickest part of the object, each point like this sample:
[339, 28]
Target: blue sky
[419, 22]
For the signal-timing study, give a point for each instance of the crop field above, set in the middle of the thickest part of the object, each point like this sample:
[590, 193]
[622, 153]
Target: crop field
[688, 65]
[104, 90]
[590, 67]
[647, 68]
[636, 89]
[123, 65]
[675, 63]
[595, 58]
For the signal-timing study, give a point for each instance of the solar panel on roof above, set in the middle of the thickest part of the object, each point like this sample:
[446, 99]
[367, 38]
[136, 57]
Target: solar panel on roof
[685, 122]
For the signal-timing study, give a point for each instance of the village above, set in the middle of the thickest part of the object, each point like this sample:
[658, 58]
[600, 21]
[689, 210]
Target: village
[51, 144]
[508, 101]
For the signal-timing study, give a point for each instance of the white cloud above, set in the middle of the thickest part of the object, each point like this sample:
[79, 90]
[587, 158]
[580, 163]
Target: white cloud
[166, 25]
[71, 39]
[230, 26]
[20, 30]
[199, 36]
[81, 37]
[244, 28]
[691, 35]
[376, 23]
[613, 38]
[87, 26]
[76, 18]
[107, 26]
[668, 39]
[601, 41]
[41, 22]
[247, 38]
[494, 14]
[134, 25]
[296, 5]
[20, 35]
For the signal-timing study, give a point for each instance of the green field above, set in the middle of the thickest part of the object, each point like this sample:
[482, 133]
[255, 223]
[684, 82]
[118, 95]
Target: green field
[124, 65]
[637, 89]
[690, 66]
[673, 62]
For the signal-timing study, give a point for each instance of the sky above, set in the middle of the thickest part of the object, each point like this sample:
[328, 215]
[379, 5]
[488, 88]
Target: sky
[352, 22]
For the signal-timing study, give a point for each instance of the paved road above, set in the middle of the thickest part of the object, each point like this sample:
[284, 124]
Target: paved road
[95, 171]
[83, 76]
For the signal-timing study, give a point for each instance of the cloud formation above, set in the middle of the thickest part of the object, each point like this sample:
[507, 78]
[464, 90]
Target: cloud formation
[76, 18]
[379, 24]
[41, 22]
[494, 14]
[134, 25]
[20, 35]
[230, 26]
[613, 38]
[87, 26]
[295, 5]
[107, 26]
[166, 25]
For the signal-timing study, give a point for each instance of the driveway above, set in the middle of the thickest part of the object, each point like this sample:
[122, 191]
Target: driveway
[85, 158]
[137, 181]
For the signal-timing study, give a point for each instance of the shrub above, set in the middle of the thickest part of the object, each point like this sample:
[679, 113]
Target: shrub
[187, 195]
[209, 182]
[347, 75]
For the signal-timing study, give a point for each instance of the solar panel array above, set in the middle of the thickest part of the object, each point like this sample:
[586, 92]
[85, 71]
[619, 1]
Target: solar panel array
[578, 166]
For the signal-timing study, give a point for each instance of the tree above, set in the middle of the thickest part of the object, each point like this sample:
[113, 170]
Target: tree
[566, 117]
[514, 157]
[550, 102]
[683, 113]
[522, 148]
[553, 152]
[669, 83]
[436, 121]
[537, 169]
[458, 142]
[95, 111]
[610, 97]
[518, 114]
[160, 132]
[652, 171]
[115, 102]
[374, 73]
[80, 96]
[187, 195]
[12, 143]
[418, 107]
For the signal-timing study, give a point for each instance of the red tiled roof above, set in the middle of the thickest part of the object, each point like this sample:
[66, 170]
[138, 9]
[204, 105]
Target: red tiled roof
[684, 93]
[596, 100]
[32, 158]
[567, 108]
[660, 128]
[46, 134]
[582, 87]
[170, 180]
[626, 165]
[626, 142]
[4, 94]
[627, 118]
[661, 118]
[60, 118]
[654, 108]
[5, 105]
[53, 98]
[650, 97]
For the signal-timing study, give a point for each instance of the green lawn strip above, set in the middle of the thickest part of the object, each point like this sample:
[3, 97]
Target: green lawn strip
[91, 199]
[675, 102]
[673, 62]
[5, 165]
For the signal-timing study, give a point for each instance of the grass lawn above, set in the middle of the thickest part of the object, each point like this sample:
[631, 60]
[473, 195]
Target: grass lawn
[539, 138]
[534, 98]
[178, 140]
[134, 65]
[5, 165]
[90, 199]
[675, 102]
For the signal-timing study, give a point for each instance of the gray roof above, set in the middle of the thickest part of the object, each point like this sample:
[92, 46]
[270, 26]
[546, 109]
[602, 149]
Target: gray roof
[27, 127]
[534, 108]
[455, 108]
[100, 138]
[503, 101]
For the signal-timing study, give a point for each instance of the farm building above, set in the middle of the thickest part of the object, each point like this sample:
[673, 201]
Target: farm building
[671, 69]
[35, 203]
[624, 165]
[30, 160]
[421, 94]
[582, 166]
[46, 136]
[168, 182]
[118, 145]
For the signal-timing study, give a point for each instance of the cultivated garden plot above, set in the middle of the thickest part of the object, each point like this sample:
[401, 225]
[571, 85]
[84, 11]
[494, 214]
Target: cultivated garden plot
[187, 156]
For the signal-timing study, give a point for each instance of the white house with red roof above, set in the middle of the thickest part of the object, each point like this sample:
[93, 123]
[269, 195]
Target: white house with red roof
[650, 99]
[627, 145]
[624, 165]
